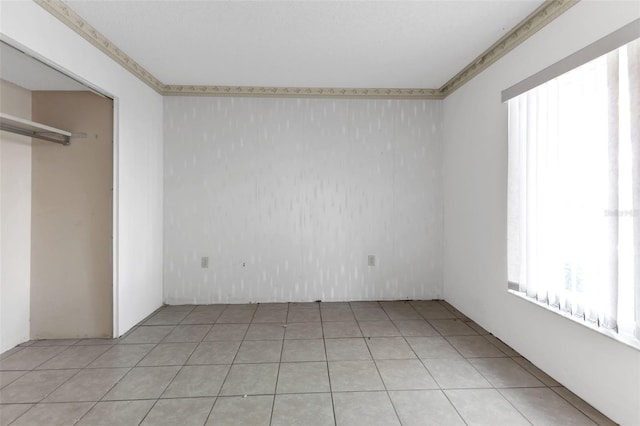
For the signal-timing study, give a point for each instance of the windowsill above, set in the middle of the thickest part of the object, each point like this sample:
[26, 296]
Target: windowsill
[635, 344]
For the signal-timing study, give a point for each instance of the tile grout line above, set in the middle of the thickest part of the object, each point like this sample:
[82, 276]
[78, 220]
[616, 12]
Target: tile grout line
[120, 339]
[442, 391]
[112, 346]
[60, 385]
[395, 410]
[275, 389]
[226, 376]
[493, 387]
[326, 356]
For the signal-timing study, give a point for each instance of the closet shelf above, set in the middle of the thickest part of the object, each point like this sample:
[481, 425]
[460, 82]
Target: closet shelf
[30, 128]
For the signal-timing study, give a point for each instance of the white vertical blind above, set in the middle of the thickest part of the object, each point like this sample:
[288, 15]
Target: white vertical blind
[573, 206]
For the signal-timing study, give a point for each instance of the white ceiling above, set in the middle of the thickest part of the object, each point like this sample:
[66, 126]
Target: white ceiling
[354, 44]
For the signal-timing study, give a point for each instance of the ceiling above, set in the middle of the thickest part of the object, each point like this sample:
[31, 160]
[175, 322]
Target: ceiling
[349, 44]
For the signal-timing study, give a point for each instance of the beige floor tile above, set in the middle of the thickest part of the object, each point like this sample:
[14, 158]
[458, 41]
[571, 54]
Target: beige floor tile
[88, 385]
[384, 328]
[425, 408]
[584, 407]
[543, 406]
[147, 334]
[202, 317]
[452, 327]
[539, 374]
[350, 349]
[364, 409]
[54, 414]
[218, 352]
[251, 379]
[474, 347]
[10, 412]
[303, 350]
[504, 373]
[187, 333]
[337, 314]
[354, 376]
[7, 377]
[266, 331]
[370, 314]
[304, 315]
[485, 407]
[168, 354]
[167, 317]
[390, 348]
[34, 386]
[143, 383]
[197, 381]
[405, 375]
[30, 357]
[221, 332]
[235, 316]
[303, 330]
[74, 357]
[303, 377]
[122, 356]
[432, 347]
[182, 411]
[241, 411]
[256, 351]
[121, 413]
[415, 328]
[270, 315]
[455, 374]
[506, 349]
[303, 409]
[341, 329]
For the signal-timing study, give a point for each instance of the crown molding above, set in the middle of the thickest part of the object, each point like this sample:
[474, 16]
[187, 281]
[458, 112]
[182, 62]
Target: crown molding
[74, 21]
[307, 92]
[544, 14]
[530, 25]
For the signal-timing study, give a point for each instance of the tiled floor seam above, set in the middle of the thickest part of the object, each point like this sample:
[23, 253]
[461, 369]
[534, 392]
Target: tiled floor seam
[226, 376]
[275, 389]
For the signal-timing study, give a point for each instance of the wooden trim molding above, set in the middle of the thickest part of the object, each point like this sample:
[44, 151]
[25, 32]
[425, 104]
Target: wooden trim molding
[74, 21]
[543, 15]
[313, 92]
[540, 17]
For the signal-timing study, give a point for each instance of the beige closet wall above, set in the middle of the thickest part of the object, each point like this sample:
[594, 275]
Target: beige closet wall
[71, 253]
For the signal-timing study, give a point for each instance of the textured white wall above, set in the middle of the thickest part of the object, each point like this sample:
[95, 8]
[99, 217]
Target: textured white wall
[15, 221]
[138, 156]
[602, 371]
[287, 197]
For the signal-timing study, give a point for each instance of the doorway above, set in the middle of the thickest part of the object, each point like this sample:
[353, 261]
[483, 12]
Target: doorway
[69, 268]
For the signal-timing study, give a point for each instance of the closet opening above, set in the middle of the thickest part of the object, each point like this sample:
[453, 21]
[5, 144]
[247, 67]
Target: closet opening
[57, 202]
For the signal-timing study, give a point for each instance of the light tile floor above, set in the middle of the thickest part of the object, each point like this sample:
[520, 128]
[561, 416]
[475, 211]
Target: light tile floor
[358, 363]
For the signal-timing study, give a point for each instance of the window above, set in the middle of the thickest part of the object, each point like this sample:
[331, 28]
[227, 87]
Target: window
[574, 192]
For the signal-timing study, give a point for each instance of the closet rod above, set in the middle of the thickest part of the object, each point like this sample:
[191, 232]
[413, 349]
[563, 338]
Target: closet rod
[63, 141]
[32, 129]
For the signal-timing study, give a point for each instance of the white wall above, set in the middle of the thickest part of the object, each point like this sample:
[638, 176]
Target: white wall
[300, 191]
[602, 371]
[15, 220]
[138, 159]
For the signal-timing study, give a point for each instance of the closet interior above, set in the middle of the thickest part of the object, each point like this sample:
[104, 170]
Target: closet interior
[56, 154]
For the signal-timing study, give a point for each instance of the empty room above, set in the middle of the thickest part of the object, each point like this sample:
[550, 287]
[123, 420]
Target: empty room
[223, 212]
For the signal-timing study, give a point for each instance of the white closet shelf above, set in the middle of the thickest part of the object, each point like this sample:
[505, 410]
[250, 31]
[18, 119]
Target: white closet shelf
[30, 128]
